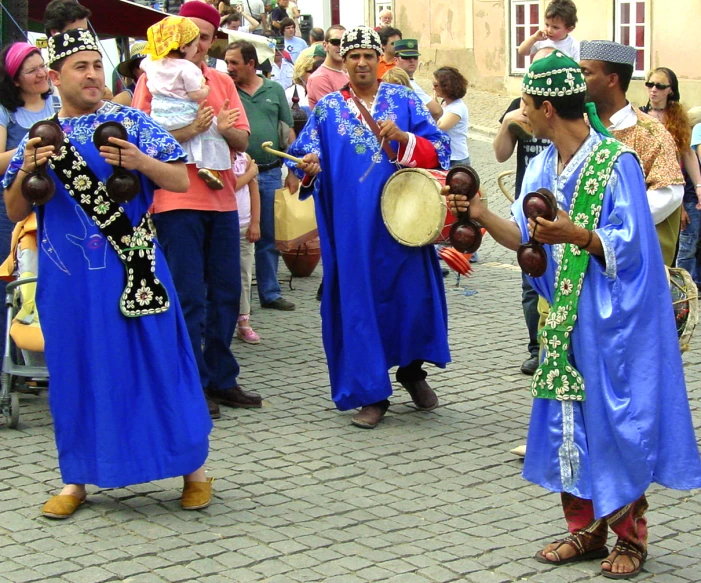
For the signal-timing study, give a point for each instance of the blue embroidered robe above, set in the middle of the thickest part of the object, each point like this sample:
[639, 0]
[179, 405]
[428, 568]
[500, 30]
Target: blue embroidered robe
[124, 393]
[635, 426]
[383, 303]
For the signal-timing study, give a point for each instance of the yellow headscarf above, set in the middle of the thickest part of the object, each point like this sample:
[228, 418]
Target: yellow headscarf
[169, 35]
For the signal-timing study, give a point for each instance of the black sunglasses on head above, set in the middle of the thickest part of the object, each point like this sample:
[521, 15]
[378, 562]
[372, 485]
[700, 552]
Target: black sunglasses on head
[335, 42]
[659, 86]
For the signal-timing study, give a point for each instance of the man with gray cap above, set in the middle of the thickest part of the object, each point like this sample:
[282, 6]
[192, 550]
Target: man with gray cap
[383, 303]
[607, 68]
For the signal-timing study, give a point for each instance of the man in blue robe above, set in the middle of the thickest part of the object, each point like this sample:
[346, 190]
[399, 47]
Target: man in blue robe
[612, 414]
[383, 303]
[125, 394]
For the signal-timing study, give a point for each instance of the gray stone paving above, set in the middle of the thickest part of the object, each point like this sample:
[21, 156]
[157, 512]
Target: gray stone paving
[301, 496]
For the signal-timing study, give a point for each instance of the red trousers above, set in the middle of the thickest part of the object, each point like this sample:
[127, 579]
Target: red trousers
[628, 523]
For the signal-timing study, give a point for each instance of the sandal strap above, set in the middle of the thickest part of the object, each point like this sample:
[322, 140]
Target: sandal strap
[627, 548]
[581, 541]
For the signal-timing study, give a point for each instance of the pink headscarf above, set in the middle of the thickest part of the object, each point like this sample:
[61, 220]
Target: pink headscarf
[16, 55]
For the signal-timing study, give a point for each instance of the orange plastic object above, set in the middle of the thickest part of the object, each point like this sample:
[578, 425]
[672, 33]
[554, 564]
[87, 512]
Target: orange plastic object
[458, 262]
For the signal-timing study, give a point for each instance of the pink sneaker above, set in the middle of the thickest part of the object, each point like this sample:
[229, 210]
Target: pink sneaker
[247, 334]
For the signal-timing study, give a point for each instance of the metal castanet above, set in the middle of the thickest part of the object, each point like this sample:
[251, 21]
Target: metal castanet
[37, 187]
[123, 185]
[531, 256]
[465, 234]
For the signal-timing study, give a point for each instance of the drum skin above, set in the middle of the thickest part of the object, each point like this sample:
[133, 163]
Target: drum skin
[413, 209]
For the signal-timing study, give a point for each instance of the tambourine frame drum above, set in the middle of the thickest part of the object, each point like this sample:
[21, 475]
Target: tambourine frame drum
[413, 209]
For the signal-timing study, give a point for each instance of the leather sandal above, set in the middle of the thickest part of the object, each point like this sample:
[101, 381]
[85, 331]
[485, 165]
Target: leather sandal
[581, 553]
[625, 549]
[370, 415]
[196, 495]
[62, 506]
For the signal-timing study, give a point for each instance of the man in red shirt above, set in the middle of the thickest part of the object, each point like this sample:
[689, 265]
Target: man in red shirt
[199, 230]
[330, 76]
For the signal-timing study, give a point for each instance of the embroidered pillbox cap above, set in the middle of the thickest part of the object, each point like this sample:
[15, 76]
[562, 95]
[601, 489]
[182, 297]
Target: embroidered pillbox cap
[65, 44]
[407, 47]
[360, 37]
[556, 75]
[609, 51]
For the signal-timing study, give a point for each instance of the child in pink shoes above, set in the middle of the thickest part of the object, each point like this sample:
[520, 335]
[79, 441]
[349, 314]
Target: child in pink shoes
[248, 202]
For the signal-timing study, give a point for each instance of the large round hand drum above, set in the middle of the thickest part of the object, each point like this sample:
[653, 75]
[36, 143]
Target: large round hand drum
[413, 209]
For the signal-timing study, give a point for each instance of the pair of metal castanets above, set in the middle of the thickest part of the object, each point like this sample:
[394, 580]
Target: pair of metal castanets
[38, 188]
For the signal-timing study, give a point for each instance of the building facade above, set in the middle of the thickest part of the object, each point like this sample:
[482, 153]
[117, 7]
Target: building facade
[480, 37]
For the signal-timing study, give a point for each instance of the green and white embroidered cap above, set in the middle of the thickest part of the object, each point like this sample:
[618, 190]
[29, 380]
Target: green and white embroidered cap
[556, 75]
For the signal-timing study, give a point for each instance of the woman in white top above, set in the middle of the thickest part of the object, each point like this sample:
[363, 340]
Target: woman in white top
[450, 85]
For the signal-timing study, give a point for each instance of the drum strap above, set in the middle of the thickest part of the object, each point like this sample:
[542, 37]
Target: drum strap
[375, 129]
[556, 377]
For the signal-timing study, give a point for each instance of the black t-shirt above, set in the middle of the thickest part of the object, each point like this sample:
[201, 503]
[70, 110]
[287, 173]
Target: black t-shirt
[526, 150]
[277, 15]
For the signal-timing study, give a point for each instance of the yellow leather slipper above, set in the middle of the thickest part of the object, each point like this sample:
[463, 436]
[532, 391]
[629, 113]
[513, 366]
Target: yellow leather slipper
[196, 495]
[61, 506]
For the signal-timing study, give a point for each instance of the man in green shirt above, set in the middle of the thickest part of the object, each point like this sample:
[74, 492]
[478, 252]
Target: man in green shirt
[266, 106]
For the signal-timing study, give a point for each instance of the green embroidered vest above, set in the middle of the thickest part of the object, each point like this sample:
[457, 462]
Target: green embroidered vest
[556, 378]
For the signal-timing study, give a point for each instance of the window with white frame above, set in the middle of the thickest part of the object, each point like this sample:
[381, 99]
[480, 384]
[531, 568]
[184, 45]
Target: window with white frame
[525, 21]
[631, 28]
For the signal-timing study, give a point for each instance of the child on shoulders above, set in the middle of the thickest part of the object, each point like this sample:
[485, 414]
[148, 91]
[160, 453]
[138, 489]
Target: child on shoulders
[560, 21]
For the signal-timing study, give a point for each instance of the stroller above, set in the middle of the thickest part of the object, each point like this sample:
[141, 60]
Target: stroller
[23, 365]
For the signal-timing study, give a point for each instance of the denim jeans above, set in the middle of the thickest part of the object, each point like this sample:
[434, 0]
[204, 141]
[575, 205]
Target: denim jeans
[529, 302]
[688, 238]
[202, 250]
[267, 257]
[463, 162]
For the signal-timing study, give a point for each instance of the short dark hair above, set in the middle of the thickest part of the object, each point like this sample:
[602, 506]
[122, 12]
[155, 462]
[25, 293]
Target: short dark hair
[565, 10]
[387, 32]
[567, 107]
[316, 35]
[10, 96]
[285, 22]
[229, 18]
[61, 13]
[452, 82]
[327, 38]
[624, 72]
[248, 51]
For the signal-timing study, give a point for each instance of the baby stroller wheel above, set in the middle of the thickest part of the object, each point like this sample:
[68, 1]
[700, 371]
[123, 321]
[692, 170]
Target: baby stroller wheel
[13, 419]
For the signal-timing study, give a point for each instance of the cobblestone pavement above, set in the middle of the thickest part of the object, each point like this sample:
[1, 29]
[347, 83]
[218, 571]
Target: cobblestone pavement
[303, 496]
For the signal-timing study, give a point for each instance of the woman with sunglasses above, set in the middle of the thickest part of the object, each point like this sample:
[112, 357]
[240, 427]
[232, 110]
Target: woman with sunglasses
[451, 86]
[25, 98]
[663, 104]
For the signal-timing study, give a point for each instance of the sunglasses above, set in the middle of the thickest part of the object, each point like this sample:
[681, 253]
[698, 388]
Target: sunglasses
[335, 42]
[659, 86]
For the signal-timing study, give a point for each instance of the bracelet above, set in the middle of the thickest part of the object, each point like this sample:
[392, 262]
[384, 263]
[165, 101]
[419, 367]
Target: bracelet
[25, 171]
[697, 185]
[591, 237]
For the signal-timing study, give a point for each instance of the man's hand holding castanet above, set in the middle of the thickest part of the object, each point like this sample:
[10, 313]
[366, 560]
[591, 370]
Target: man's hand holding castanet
[30, 163]
[458, 204]
[563, 230]
[390, 131]
[310, 165]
